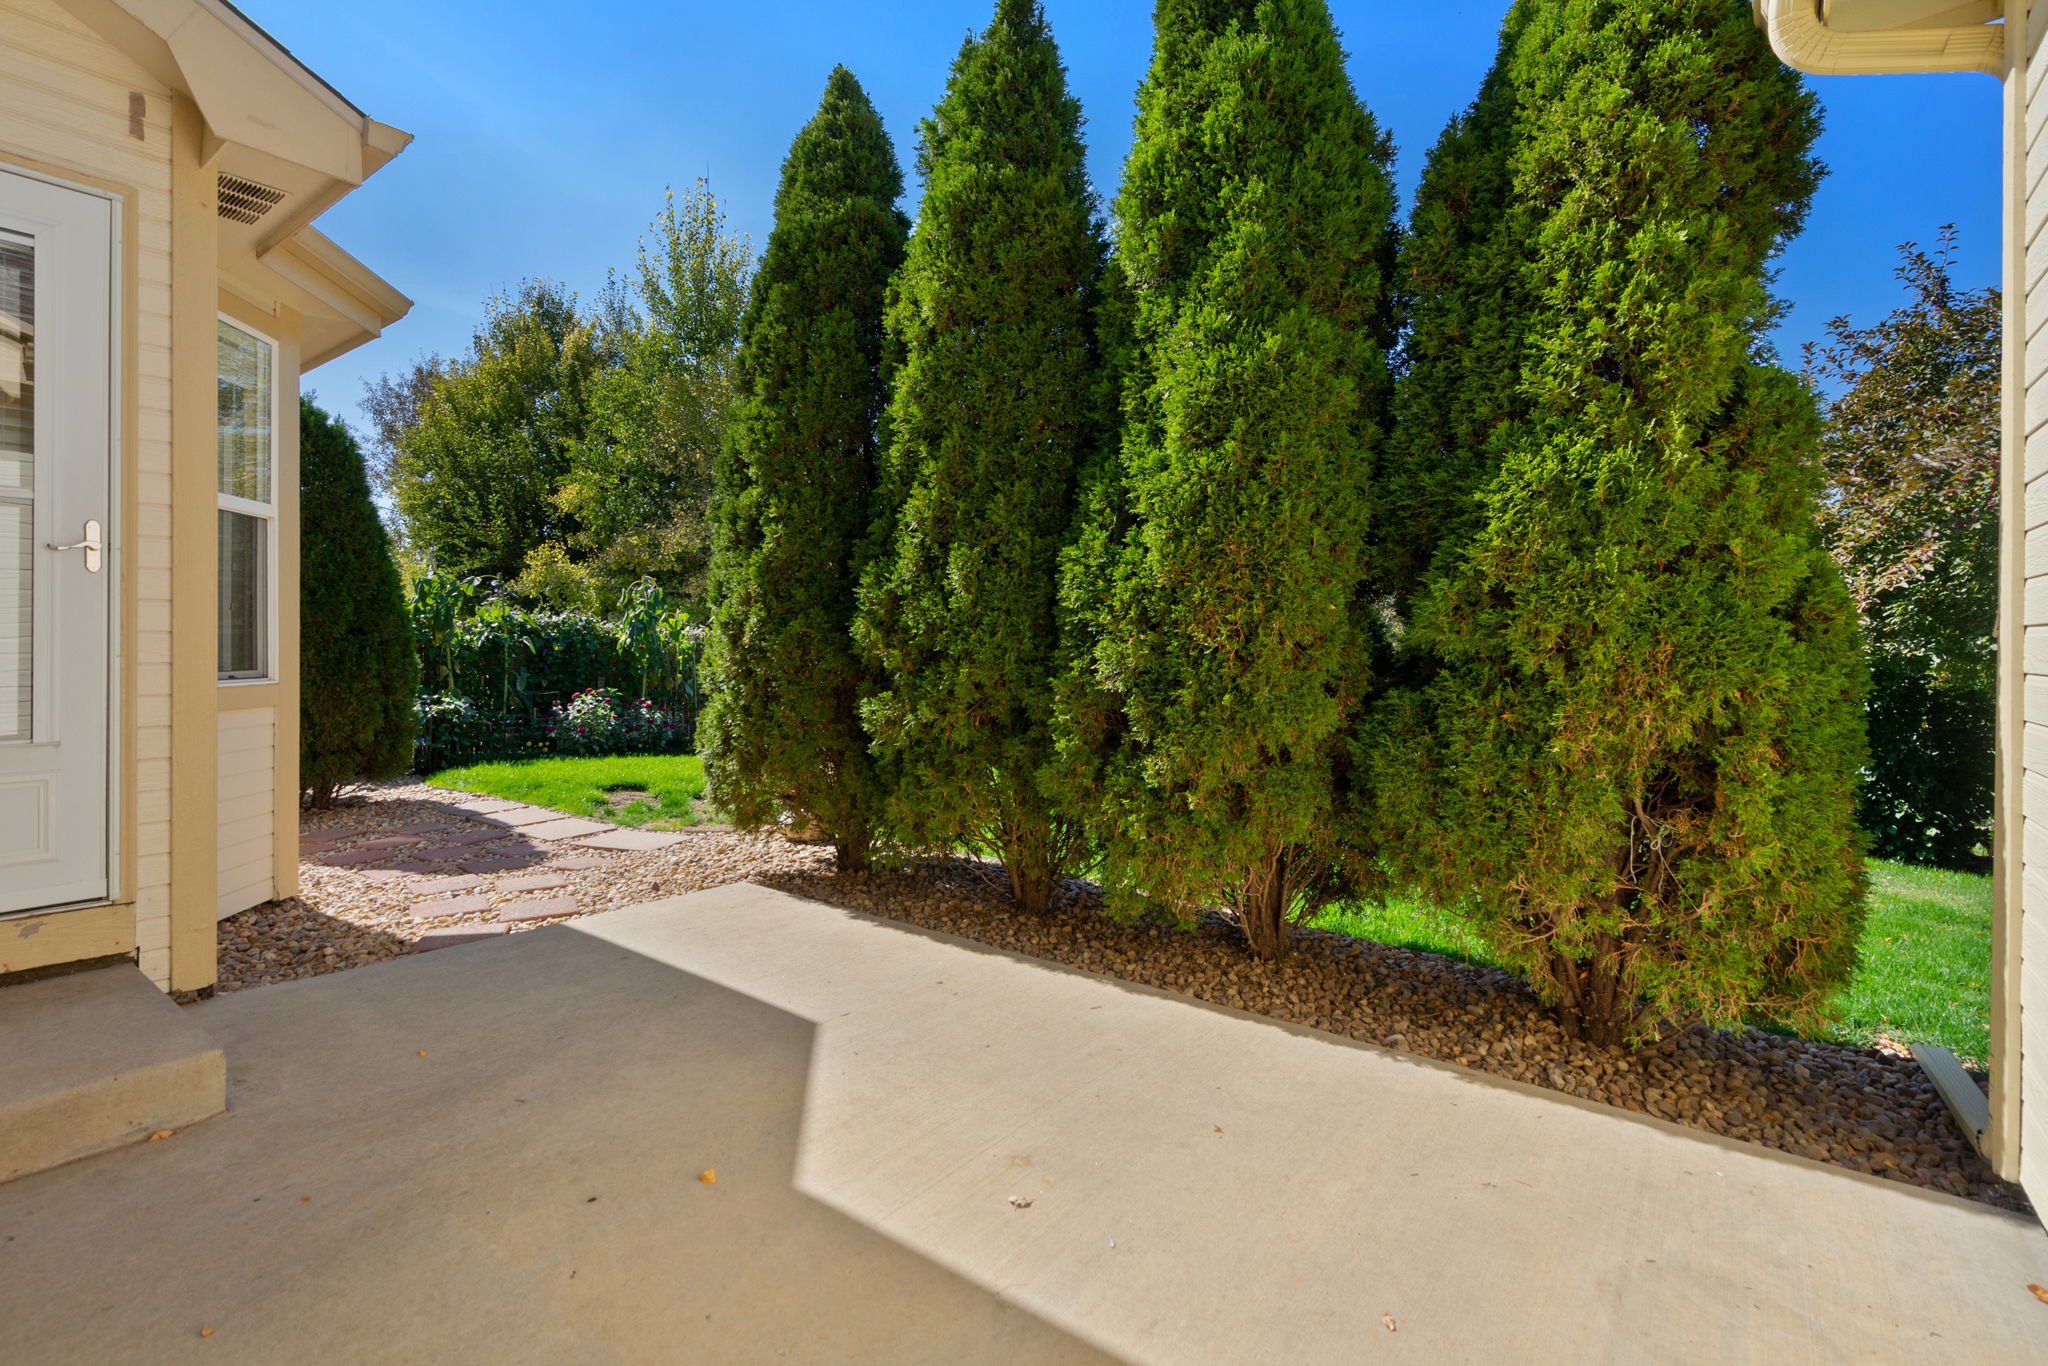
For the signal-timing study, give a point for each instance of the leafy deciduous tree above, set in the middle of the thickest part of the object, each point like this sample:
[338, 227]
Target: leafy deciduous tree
[1911, 449]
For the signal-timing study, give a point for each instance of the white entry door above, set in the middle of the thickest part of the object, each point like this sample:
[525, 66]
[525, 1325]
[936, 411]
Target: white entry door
[56, 385]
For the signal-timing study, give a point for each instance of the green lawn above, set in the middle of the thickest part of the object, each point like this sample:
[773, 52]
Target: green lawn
[1925, 975]
[670, 782]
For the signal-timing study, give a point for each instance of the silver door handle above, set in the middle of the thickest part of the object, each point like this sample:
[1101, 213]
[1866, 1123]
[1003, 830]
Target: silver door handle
[90, 545]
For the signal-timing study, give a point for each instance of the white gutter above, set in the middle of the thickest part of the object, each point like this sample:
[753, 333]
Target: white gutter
[1805, 43]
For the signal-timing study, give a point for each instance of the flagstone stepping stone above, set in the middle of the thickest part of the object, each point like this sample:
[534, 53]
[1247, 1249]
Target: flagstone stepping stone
[436, 885]
[578, 863]
[523, 816]
[566, 828]
[438, 853]
[452, 935]
[537, 882]
[390, 842]
[484, 806]
[484, 836]
[448, 905]
[496, 863]
[632, 840]
[538, 908]
[350, 858]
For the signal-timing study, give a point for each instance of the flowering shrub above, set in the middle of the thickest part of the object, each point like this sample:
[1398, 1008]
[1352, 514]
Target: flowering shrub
[650, 729]
[592, 723]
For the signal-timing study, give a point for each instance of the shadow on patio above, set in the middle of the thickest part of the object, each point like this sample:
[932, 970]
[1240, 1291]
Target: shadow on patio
[486, 1154]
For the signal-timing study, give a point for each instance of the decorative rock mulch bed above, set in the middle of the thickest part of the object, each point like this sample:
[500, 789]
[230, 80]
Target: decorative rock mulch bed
[1865, 1109]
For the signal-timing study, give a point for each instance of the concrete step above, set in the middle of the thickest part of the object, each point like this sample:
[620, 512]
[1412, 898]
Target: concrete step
[94, 1060]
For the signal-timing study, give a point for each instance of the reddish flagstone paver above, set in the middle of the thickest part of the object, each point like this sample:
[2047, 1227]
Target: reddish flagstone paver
[632, 840]
[449, 937]
[484, 806]
[565, 828]
[390, 842]
[537, 882]
[436, 885]
[483, 836]
[448, 905]
[538, 908]
[351, 858]
[579, 863]
[440, 853]
[496, 864]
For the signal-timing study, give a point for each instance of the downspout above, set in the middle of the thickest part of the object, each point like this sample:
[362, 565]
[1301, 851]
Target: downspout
[1805, 43]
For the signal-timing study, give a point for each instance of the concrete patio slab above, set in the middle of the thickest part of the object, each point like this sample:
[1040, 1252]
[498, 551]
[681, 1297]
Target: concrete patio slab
[926, 1150]
[94, 1060]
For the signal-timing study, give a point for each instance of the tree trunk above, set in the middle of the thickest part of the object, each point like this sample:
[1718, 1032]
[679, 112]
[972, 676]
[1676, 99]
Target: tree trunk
[1596, 1000]
[850, 852]
[1027, 858]
[1262, 908]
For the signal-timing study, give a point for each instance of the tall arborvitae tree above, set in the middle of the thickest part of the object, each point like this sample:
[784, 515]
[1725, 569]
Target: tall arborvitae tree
[1635, 756]
[794, 488]
[1461, 283]
[1222, 581]
[994, 407]
[357, 669]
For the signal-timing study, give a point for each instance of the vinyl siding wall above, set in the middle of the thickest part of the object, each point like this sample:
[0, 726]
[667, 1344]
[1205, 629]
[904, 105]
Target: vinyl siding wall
[248, 806]
[2032, 937]
[65, 104]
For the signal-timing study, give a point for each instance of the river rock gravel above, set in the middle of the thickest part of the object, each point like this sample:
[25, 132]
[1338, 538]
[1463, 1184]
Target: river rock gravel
[1865, 1109]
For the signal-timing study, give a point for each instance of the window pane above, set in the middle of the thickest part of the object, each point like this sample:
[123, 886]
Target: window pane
[244, 415]
[17, 478]
[17, 363]
[244, 584]
[17, 551]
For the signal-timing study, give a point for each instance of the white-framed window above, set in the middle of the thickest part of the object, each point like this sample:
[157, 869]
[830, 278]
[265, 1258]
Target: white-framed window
[248, 503]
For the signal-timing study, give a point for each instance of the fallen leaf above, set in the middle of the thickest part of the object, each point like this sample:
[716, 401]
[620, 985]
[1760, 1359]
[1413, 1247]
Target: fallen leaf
[206, 1330]
[160, 1134]
[1388, 1319]
[709, 1176]
[423, 1052]
[1020, 1202]
[2040, 1292]
[1217, 1127]
[305, 1199]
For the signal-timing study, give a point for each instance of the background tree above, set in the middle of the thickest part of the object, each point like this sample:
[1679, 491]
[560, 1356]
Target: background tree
[474, 472]
[638, 482]
[1633, 753]
[794, 487]
[993, 407]
[1911, 453]
[1222, 581]
[357, 670]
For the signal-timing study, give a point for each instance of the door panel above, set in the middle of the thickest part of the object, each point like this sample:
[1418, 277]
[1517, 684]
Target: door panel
[56, 661]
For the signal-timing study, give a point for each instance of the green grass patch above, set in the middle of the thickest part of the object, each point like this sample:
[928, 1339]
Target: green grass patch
[1925, 975]
[653, 790]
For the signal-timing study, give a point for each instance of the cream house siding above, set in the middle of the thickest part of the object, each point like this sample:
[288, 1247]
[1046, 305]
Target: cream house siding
[247, 808]
[2030, 940]
[66, 108]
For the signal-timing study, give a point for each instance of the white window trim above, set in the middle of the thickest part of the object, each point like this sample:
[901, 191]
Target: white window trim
[267, 512]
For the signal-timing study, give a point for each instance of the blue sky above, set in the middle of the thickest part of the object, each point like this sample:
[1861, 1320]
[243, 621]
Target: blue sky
[547, 133]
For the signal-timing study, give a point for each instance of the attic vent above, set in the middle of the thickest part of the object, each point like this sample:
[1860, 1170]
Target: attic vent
[244, 201]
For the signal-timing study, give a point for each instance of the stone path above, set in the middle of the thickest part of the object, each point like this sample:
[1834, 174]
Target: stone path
[405, 868]
[480, 856]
